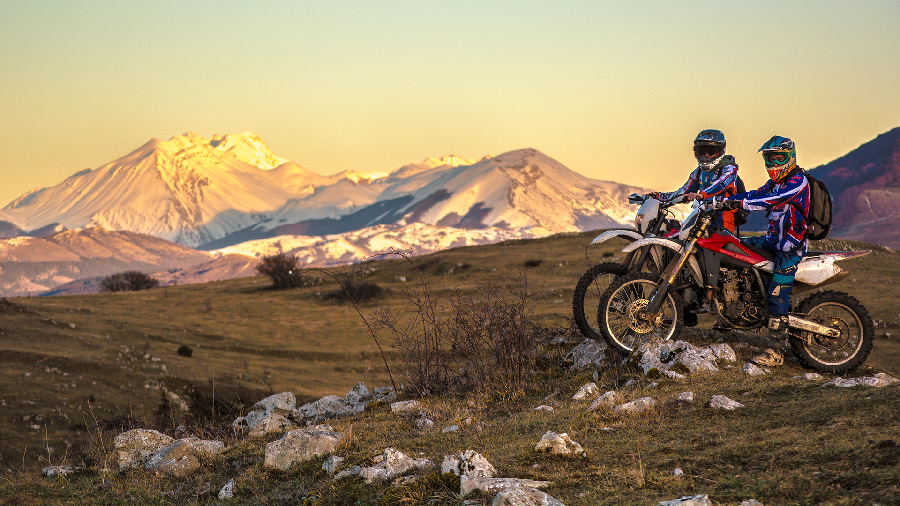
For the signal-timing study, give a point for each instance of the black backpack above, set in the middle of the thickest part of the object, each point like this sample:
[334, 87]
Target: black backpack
[818, 221]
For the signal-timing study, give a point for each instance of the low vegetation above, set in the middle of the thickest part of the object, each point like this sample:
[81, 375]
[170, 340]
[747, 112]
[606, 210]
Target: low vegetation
[284, 269]
[129, 281]
[474, 345]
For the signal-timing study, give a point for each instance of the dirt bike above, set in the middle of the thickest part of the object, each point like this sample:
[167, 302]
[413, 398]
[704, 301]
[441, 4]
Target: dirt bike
[653, 218]
[713, 272]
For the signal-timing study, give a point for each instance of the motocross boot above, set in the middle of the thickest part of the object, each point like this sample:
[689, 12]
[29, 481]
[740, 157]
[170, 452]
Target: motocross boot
[778, 333]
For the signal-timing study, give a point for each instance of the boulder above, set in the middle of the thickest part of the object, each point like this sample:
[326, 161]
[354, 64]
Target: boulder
[697, 500]
[180, 458]
[393, 464]
[636, 406]
[663, 356]
[135, 447]
[61, 471]
[468, 463]
[358, 394]
[524, 496]
[589, 390]
[469, 484]
[589, 353]
[810, 376]
[350, 472]
[685, 397]
[559, 444]
[331, 463]
[272, 412]
[406, 408]
[605, 401]
[227, 492]
[271, 422]
[424, 423]
[300, 445]
[752, 369]
[723, 402]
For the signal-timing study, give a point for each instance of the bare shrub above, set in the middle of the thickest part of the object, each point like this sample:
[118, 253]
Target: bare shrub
[487, 340]
[353, 291]
[129, 281]
[283, 269]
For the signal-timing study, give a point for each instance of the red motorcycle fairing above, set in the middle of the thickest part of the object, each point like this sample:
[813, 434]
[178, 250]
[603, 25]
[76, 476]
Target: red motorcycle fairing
[731, 247]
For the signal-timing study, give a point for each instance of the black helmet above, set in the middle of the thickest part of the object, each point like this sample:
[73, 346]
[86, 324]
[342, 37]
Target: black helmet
[709, 148]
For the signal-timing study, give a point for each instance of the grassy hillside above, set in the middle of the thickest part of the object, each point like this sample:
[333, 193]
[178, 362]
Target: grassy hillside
[73, 366]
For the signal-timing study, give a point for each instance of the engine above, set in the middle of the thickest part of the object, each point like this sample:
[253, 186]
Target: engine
[739, 297]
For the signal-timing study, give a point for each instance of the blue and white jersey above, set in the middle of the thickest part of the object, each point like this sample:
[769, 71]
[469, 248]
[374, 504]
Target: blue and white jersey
[788, 202]
[720, 180]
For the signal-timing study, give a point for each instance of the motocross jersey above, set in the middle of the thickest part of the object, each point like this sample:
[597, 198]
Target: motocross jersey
[788, 203]
[720, 180]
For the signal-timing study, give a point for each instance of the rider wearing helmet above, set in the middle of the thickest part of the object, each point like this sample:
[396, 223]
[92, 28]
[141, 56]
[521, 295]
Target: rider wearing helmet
[715, 175]
[786, 197]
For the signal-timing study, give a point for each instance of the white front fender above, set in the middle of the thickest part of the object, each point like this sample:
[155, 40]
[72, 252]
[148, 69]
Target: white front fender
[677, 247]
[610, 234]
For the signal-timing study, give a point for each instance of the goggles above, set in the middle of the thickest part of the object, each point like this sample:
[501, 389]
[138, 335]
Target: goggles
[707, 151]
[776, 159]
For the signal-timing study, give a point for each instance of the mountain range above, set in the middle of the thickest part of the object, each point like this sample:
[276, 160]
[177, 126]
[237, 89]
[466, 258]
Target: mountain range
[219, 202]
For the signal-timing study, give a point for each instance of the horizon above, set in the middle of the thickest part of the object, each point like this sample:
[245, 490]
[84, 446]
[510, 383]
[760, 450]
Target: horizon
[613, 92]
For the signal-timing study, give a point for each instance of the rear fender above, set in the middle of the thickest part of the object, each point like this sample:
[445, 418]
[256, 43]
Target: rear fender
[628, 235]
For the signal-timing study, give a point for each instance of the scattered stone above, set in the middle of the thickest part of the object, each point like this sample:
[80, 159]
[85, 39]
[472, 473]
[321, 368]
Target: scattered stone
[697, 500]
[559, 444]
[723, 402]
[384, 394]
[406, 407]
[674, 375]
[589, 390]
[300, 445]
[678, 472]
[177, 401]
[134, 448]
[468, 463]
[351, 472]
[752, 369]
[424, 423]
[180, 458]
[393, 464]
[879, 380]
[331, 463]
[664, 356]
[452, 428]
[524, 496]
[270, 414]
[605, 401]
[637, 406]
[271, 422]
[61, 471]
[589, 353]
[330, 406]
[685, 397]
[227, 491]
[751, 502]
[810, 376]
[543, 407]
[358, 394]
[469, 484]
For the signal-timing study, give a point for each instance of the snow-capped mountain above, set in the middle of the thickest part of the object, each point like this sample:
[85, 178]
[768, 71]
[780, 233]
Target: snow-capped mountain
[220, 191]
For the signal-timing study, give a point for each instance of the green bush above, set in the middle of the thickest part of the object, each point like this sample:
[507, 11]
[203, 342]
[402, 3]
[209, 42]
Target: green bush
[185, 350]
[130, 281]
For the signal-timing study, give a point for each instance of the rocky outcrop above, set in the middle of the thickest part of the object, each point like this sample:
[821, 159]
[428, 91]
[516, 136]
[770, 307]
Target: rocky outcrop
[559, 444]
[468, 463]
[300, 445]
[392, 464]
[524, 496]
[879, 380]
[673, 359]
[589, 353]
[150, 449]
[469, 484]
[723, 402]
[136, 447]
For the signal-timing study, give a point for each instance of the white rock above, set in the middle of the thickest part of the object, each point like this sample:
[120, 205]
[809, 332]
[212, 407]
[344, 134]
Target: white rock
[351, 472]
[697, 500]
[227, 492]
[468, 463]
[392, 465]
[524, 496]
[559, 444]
[810, 376]
[589, 353]
[879, 380]
[61, 471]
[685, 396]
[543, 407]
[637, 406]
[424, 423]
[271, 422]
[135, 447]
[406, 407]
[589, 390]
[751, 502]
[605, 401]
[279, 406]
[300, 445]
[469, 484]
[452, 428]
[678, 472]
[180, 458]
[723, 402]
[331, 464]
[358, 393]
[752, 369]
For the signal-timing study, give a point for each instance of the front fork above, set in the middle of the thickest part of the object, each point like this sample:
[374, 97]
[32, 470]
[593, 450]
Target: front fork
[668, 277]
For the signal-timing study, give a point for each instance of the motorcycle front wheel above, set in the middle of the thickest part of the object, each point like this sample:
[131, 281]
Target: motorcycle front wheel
[618, 314]
[836, 355]
[590, 288]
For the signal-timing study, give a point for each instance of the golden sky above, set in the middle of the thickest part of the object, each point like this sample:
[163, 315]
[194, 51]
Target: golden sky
[613, 90]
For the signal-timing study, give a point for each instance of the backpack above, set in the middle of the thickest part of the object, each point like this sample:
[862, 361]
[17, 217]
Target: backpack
[818, 221]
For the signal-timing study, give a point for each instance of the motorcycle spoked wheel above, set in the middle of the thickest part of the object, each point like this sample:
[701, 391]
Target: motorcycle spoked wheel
[620, 304]
[590, 288]
[834, 355]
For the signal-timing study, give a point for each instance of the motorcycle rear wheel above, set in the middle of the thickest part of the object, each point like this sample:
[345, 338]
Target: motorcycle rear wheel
[834, 355]
[620, 305]
[590, 288]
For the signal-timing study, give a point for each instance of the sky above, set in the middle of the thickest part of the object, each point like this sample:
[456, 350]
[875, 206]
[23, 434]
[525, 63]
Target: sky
[612, 90]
